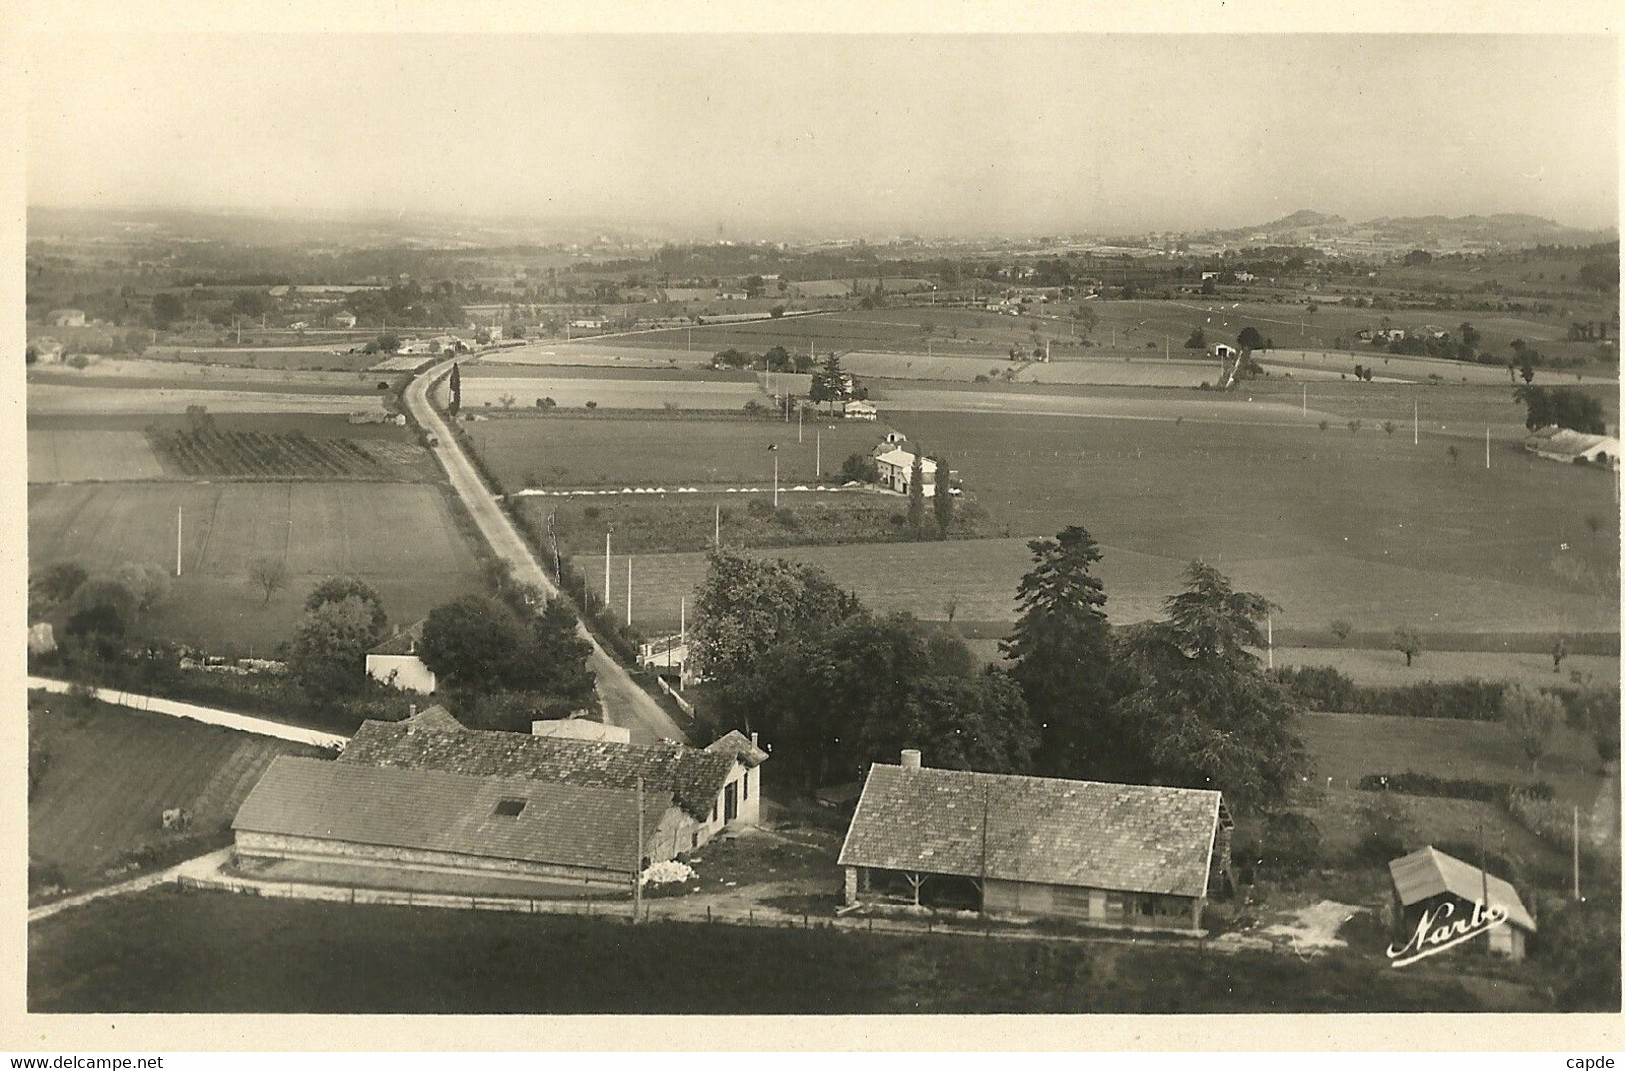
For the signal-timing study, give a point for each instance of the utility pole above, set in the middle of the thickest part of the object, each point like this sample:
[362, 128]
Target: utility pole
[607, 532]
[798, 423]
[1576, 853]
[1269, 638]
[637, 860]
[775, 477]
[1486, 448]
[1416, 423]
[1306, 399]
[629, 590]
[716, 529]
[180, 523]
[983, 885]
[818, 451]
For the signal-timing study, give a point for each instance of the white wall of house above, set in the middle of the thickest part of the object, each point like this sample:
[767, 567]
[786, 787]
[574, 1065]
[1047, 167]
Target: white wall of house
[406, 672]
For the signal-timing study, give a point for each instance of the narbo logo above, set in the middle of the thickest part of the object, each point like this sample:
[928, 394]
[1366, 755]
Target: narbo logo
[1436, 931]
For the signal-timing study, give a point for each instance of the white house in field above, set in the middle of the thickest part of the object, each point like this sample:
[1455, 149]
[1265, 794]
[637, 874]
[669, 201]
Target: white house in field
[897, 468]
[860, 411]
[396, 662]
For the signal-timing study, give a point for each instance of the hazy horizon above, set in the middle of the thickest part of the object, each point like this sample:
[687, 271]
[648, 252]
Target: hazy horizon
[934, 135]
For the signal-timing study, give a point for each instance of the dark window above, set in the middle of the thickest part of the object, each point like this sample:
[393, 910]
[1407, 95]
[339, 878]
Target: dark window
[509, 808]
[746, 782]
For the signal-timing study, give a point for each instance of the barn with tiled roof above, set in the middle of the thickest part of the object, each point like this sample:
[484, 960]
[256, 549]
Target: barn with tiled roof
[1119, 855]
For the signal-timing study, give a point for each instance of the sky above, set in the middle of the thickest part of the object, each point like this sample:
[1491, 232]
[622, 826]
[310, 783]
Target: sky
[793, 133]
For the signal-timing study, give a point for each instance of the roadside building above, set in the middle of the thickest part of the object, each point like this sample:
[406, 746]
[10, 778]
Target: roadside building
[67, 317]
[1137, 856]
[395, 662]
[709, 789]
[860, 411]
[1223, 351]
[345, 320]
[897, 468]
[1427, 882]
[1569, 446]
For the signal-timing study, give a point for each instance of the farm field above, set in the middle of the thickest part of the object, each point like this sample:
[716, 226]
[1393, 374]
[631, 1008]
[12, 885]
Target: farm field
[59, 398]
[1387, 667]
[579, 451]
[402, 538]
[113, 371]
[980, 577]
[1391, 367]
[1383, 666]
[656, 524]
[288, 357]
[591, 353]
[112, 772]
[1328, 525]
[1347, 747]
[1161, 407]
[266, 455]
[169, 951]
[575, 393]
[73, 456]
[484, 369]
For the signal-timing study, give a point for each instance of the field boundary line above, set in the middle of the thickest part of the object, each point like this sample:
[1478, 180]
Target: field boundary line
[225, 719]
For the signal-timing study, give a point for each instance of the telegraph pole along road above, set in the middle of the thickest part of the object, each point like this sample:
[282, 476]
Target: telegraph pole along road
[623, 702]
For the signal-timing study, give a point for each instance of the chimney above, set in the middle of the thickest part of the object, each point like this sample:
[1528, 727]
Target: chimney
[753, 741]
[911, 758]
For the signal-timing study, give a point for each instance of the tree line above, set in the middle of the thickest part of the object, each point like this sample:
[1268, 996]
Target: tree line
[836, 685]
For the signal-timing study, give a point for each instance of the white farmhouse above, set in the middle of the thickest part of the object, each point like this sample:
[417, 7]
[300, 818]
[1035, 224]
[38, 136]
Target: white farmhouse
[396, 662]
[897, 467]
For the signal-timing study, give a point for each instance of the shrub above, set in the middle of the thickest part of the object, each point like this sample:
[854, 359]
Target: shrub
[1386, 830]
[1291, 843]
[786, 518]
[1462, 788]
[1318, 687]
[759, 508]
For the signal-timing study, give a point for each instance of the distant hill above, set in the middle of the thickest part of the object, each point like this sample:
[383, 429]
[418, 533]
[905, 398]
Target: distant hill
[1426, 232]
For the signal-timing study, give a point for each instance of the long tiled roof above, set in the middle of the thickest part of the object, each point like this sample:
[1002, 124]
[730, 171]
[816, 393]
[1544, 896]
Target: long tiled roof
[690, 777]
[1427, 872]
[737, 745]
[404, 642]
[1129, 838]
[429, 810]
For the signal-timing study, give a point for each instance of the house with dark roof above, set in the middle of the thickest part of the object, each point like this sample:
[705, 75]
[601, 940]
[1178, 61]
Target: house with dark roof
[706, 789]
[349, 824]
[395, 662]
[1427, 882]
[1139, 856]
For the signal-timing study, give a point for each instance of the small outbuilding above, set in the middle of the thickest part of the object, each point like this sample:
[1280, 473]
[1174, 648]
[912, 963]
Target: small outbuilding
[1427, 882]
[1569, 446]
[1139, 856]
[395, 662]
[860, 411]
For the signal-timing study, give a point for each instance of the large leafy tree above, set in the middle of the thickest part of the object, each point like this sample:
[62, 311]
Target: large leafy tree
[1566, 407]
[1061, 653]
[1200, 701]
[748, 604]
[559, 654]
[473, 642]
[339, 588]
[328, 653]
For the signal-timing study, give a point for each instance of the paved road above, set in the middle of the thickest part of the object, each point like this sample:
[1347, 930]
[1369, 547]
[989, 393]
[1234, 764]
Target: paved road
[623, 701]
[213, 861]
[209, 715]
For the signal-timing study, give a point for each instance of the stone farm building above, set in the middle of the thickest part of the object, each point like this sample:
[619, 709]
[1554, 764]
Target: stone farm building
[897, 468]
[346, 824]
[1014, 846]
[1427, 879]
[396, 662]
[417, 803]
[1569, 446]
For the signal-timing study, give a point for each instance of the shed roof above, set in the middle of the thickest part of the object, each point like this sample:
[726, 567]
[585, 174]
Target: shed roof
[1427, 872]
[404, 642]
[738, 746]
[430, 810]
[689, 776]
[1566, 442]
[1131, 838]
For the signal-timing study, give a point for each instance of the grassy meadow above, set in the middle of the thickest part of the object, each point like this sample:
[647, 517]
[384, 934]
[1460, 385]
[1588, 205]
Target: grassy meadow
[111, 772]
[400, 537]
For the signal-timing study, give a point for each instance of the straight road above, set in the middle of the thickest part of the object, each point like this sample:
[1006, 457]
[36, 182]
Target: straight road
[624, 703]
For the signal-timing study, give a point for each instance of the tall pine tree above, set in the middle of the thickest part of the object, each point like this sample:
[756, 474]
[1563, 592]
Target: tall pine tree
[1061, 651]
[943, 501]
[456, 389]
[1204, 709]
